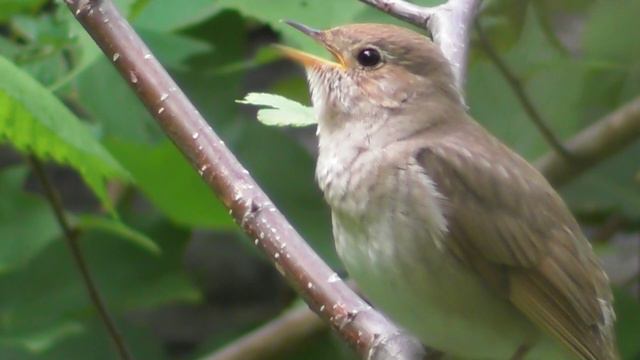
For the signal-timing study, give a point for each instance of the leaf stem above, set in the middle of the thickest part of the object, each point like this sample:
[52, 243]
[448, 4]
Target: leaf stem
[592, 145]
[518, 90]
[71, 235]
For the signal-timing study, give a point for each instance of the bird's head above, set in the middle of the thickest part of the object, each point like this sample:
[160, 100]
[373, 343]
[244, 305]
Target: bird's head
[377, 69]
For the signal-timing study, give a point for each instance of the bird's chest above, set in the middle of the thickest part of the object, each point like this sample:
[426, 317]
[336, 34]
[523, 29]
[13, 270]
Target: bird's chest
[351, 178]
[385, 210]
[391, 234]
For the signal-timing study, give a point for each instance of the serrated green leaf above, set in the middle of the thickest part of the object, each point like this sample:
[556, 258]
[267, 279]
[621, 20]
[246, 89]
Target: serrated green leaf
[281, 111]
[35, 121]
[115, 227]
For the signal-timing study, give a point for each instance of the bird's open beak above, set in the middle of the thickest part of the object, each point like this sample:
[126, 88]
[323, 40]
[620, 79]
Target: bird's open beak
[306, 59]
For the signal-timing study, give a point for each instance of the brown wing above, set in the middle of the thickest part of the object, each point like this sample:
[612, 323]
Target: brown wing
[537, 254]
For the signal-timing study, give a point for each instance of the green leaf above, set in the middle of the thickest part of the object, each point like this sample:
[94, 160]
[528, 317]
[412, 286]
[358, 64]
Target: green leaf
[503, 21]
[606, 29]
[172, 185]
[27, 224]
[317, 14]
[551, 79]
[108, 99]
[115, 227]
[609, 186]
[172, 49]
[627, 324]
[88, 340]
[87, 53]
[170, 15]
[605, 41]
[9, 8]
[281, 111]
[40, 341]
[47, 295]
[35, 121]
[137, 7]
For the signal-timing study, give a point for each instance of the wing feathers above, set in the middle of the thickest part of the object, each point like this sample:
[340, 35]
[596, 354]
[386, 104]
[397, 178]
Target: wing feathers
[536, 252]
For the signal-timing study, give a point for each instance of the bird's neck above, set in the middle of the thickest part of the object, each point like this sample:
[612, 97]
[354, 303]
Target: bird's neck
[359, 129]
[347, 142]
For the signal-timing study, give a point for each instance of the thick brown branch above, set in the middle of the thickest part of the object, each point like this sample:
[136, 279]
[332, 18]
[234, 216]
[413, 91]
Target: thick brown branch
[599, 141]
[521, 94]
[365, 329]
[448, 23]
[71, 235]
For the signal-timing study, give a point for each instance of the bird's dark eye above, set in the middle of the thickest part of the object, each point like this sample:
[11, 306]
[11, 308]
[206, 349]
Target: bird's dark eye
[369, 57]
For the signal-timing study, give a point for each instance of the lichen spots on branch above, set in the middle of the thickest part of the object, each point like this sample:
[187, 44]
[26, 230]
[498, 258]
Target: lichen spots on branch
[333, 278]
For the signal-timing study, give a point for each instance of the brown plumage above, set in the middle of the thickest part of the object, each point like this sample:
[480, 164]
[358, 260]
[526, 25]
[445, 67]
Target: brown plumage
[539, 259]
[434, 217]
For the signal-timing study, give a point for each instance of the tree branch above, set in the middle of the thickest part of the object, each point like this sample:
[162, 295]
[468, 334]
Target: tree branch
[71, 235]
[448, 24]
[272, 339]
[597, 142]
[521, 94]
[370, 333]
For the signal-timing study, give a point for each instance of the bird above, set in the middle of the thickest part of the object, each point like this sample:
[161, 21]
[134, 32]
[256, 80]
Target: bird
[446, 230]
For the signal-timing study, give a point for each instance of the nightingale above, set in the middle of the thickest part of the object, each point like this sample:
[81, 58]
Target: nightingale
[446, 230]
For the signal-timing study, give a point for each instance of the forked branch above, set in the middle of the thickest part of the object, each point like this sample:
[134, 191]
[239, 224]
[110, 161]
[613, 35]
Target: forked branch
[449, 25]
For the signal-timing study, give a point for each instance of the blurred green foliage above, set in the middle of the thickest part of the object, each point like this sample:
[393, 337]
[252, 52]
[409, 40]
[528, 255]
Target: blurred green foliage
[185, 281]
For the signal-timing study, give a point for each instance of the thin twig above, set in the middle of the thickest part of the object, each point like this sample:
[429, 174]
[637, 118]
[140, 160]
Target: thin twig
[361, 326]
[71, 235]
[274, 338]
[518, 89]
[592, 145]
[448, 23]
